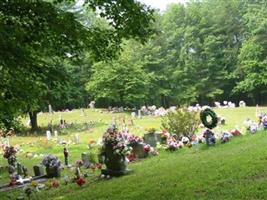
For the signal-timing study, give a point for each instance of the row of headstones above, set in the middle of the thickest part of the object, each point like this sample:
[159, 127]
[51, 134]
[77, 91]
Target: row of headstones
[49, 136]
[39, 169]
[229, 104]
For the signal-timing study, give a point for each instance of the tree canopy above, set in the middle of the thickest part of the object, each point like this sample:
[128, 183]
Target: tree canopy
[38, 37]
[123, 53]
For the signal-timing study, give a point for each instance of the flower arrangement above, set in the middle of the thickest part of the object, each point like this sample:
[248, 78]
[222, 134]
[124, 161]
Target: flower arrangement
[91, 144]
[10, 155]
[132, 139]
[114, 152]
[9, 151]
[115, 139]
[80, 181]
[147, 148]
[151, 130]
[79, 163]
[34, 184]
[52, 183]
[51, 161]
[55, 183]
[96, 166]
[150, 150]
[131, 157]
[173, 144]
[5, 133]
[165, 134]
[235, 132]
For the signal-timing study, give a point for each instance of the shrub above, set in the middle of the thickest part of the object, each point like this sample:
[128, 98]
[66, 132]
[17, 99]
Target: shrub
[181, 122]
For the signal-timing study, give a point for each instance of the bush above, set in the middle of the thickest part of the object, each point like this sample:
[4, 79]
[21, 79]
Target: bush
[181, 122]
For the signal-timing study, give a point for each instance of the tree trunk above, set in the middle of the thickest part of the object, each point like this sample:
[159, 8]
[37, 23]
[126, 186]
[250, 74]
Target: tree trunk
[33, 119]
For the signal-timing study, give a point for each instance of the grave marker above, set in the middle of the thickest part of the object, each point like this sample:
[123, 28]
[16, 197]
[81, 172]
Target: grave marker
[85, 159]
[48, 135]
[38, 170]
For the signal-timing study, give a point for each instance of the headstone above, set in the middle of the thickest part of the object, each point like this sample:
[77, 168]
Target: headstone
[77, 138]
[19, 169]
[38, 170]
[85, 159]
[139, 114]
[48, 135]
[50, 109]
[133, 115]
[55, 134]
[152, 139]
[92, 104]
[138, 150]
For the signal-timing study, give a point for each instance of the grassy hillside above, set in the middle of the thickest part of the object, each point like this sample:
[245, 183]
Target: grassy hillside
[236, 170]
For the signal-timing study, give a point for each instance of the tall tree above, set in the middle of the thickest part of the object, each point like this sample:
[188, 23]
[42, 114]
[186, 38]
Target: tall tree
[35, 35]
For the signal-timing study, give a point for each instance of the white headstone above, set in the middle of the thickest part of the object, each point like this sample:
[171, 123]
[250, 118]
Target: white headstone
[139, 114]
[50, 109]
[48, 135]
[92, 104]
[5, 141]
[55, 134]
[133, 114]
[77, 138]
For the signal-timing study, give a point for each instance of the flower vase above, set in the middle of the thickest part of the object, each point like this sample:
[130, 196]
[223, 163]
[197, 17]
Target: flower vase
[116, 164]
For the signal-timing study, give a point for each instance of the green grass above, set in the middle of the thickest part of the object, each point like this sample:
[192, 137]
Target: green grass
[236, 170]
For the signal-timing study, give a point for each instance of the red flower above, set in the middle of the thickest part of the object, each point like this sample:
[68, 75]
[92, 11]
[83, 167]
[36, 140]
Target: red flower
[131, 157]
[147, 148]
[80, 182]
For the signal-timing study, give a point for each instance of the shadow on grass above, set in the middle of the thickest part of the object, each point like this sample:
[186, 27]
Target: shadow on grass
[69, 128]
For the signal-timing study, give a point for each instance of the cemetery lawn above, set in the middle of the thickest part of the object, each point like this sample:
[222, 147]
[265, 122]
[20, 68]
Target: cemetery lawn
[235, 170]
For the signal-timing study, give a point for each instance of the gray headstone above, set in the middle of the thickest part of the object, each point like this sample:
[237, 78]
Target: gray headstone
[38, 170]
[152, 139]
[85, 159]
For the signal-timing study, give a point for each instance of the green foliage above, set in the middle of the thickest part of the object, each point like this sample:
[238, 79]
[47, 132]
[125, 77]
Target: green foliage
[38, 38]
[181, 122]
[252, 58]
[119, 82]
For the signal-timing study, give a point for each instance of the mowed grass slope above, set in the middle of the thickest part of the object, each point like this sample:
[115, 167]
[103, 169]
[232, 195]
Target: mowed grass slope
[236, 170]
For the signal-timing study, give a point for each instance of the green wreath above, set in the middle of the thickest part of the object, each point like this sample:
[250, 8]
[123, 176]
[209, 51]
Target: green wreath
[203, 117]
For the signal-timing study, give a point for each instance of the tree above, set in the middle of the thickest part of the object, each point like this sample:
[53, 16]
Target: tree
[38, 35]
[252, 70]
[119, 82]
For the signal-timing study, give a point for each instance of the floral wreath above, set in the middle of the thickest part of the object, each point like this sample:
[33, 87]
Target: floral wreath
[203, 117]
